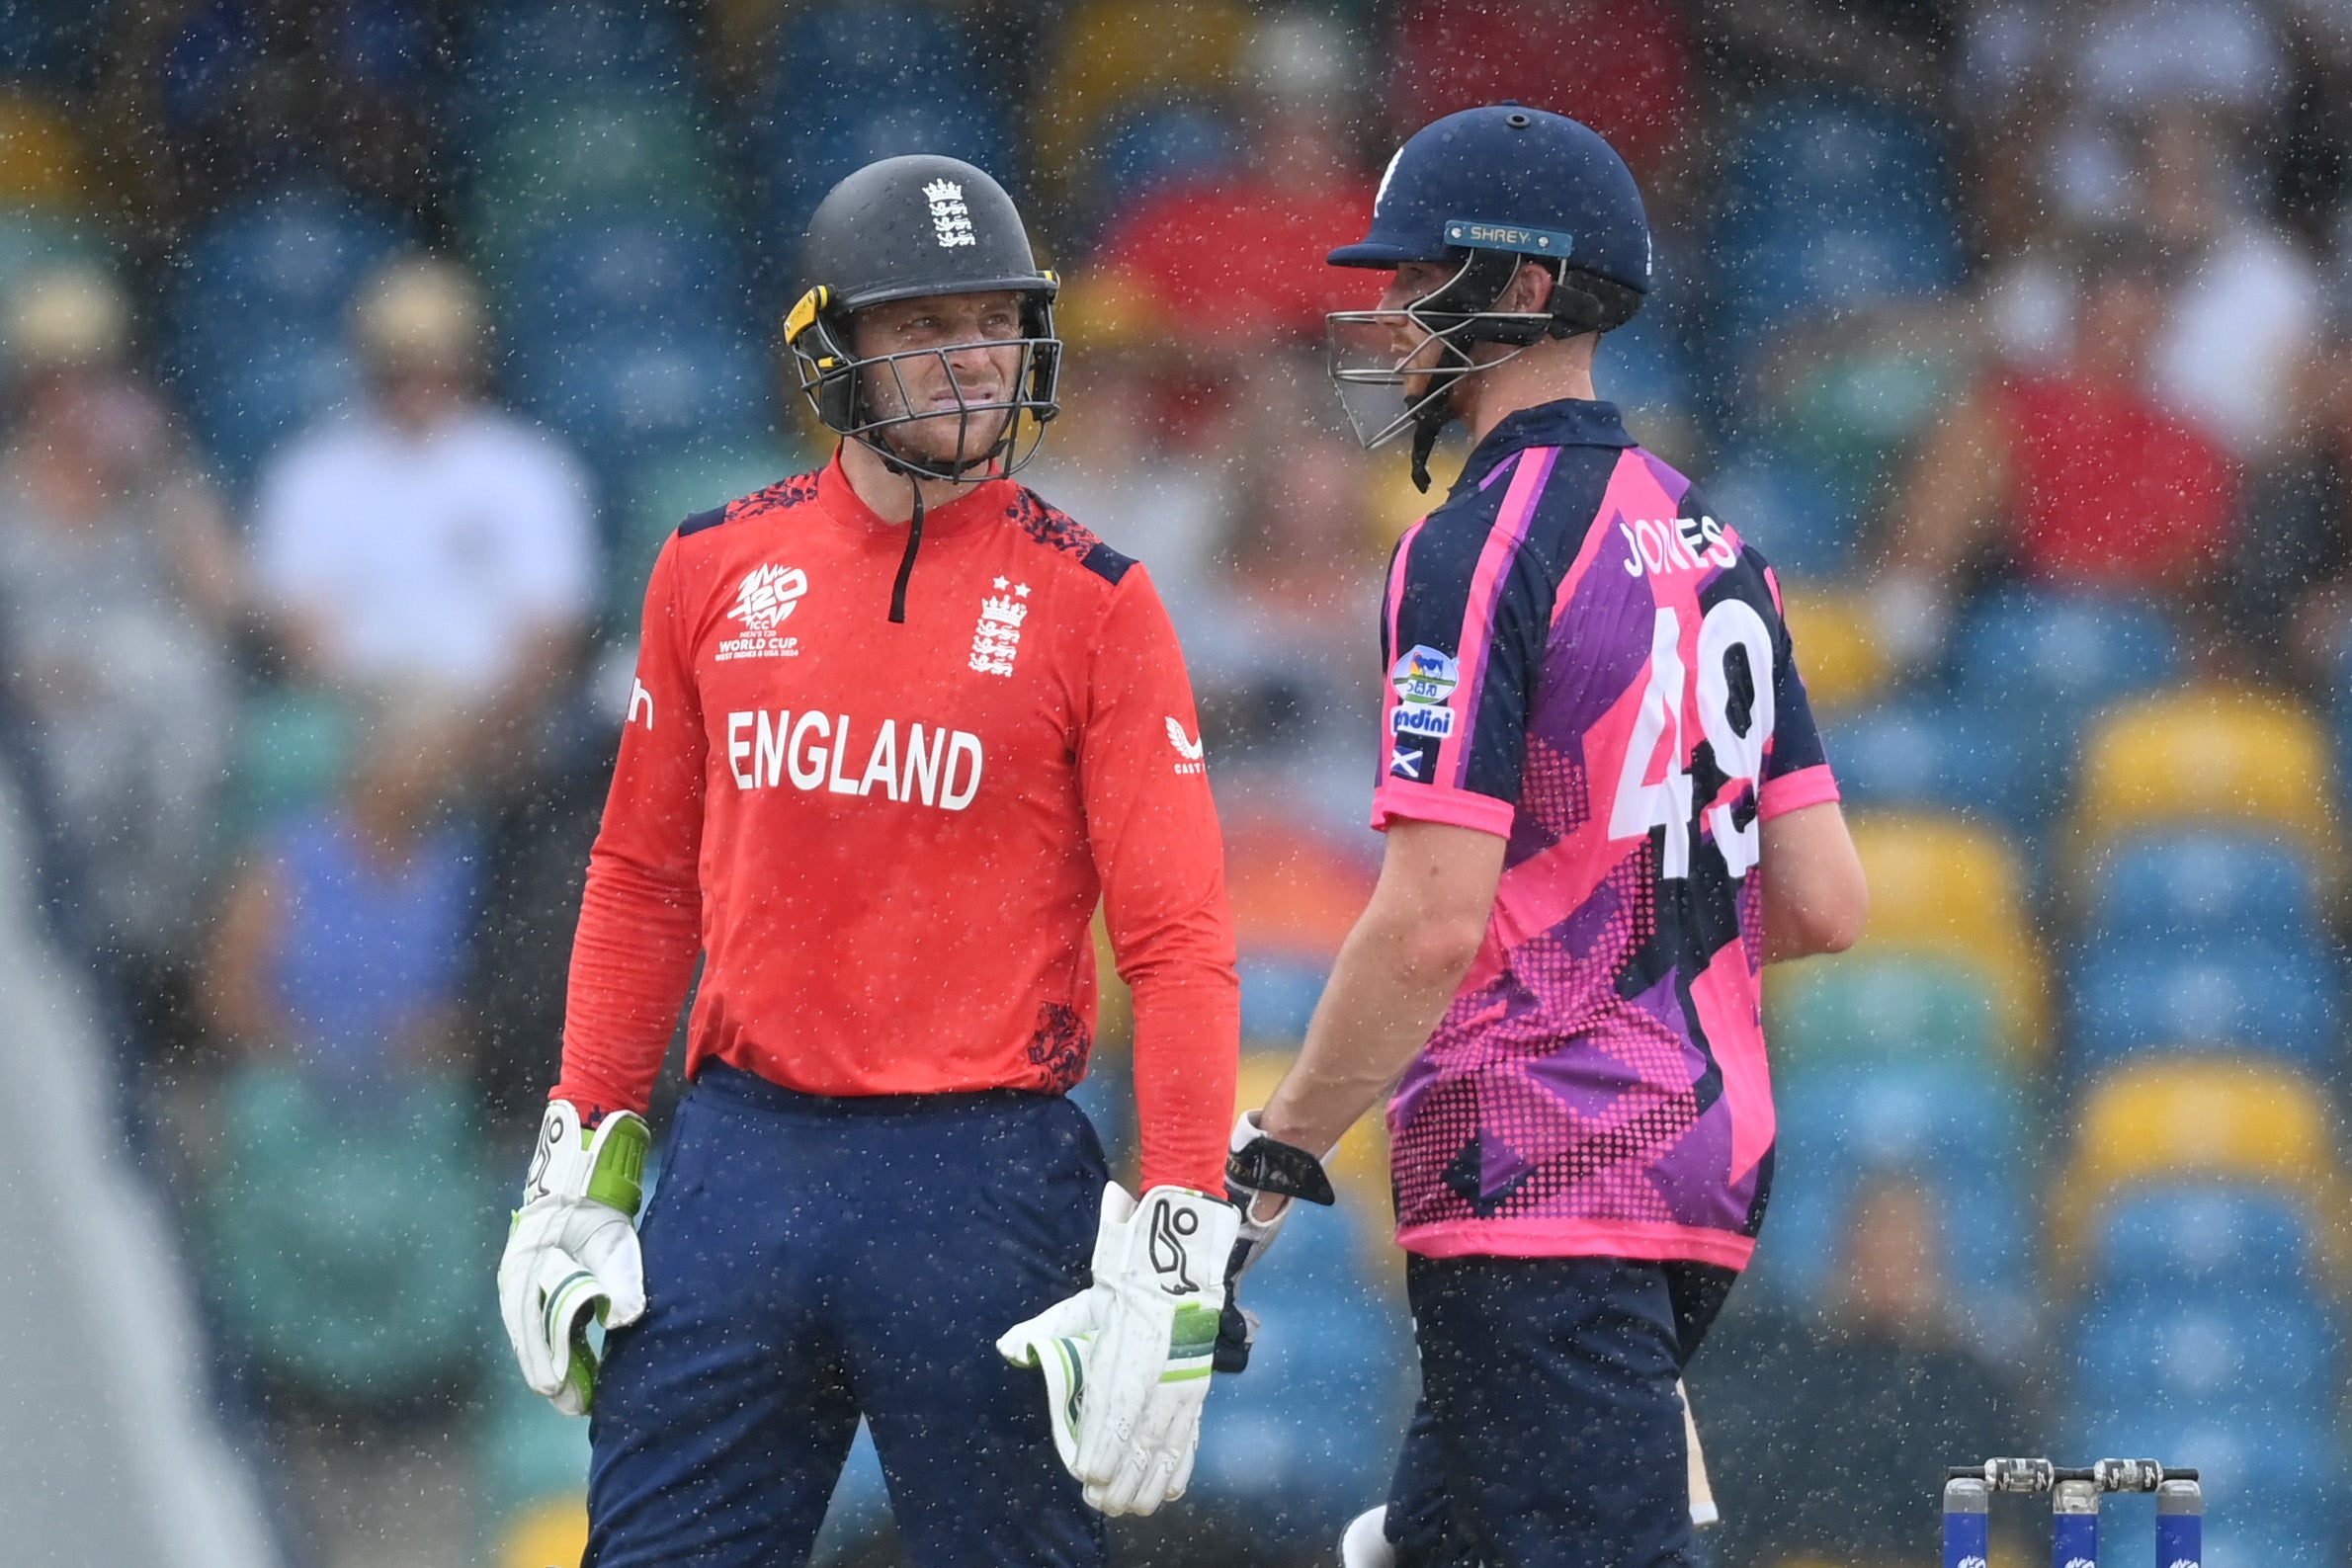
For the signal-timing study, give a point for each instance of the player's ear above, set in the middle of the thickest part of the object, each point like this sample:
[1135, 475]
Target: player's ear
[1530, 288]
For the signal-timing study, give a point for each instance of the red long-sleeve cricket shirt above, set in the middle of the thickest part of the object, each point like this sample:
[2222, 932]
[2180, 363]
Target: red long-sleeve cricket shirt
[890, 839]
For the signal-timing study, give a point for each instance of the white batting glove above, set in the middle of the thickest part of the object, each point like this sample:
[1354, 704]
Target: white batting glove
[1058, 1341]
[1163, 1291]
[1127, 1361]
[572, 1251]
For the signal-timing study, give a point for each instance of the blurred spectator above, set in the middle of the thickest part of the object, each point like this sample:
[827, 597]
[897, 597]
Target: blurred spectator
[2249, 302]
[346, 1213]
[2072, 478]
[1240, 258]
[342, 939]
[1287, 683]
[2294, 578]
[1125, 457]
[2133, 54]
[117, 587]
[1827, 1438]
[428, 540]
[213, 99]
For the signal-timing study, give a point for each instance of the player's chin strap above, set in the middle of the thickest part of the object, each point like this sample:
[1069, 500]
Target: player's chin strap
[1425, 432]
[915, 473]
[906, 562]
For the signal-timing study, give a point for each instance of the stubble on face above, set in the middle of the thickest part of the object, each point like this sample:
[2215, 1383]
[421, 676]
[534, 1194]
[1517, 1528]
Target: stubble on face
[943, 356]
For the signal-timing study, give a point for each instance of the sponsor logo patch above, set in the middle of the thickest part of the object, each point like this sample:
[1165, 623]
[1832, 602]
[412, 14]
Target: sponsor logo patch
[1422, 719]
[1424, 675]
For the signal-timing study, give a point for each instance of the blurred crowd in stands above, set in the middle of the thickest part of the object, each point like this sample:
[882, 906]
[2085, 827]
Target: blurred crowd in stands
[358, 354]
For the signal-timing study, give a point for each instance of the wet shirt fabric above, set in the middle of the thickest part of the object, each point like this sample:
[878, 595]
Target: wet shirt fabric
[1584, 660]
[888, 841]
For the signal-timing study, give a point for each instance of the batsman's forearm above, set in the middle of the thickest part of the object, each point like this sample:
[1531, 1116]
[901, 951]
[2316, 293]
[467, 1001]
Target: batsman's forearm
[1389, 990]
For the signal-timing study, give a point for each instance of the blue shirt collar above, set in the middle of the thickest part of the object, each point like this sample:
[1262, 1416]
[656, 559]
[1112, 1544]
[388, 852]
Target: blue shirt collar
[1567, 422]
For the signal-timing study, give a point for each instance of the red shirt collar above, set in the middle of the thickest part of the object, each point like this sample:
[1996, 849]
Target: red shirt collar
[989, 498]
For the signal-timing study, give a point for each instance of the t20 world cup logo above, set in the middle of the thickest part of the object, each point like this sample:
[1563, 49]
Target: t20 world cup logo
[767, 598]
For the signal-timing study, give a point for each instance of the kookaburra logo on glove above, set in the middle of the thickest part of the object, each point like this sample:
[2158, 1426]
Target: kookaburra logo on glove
[1127, 1360]
[1172, 1227]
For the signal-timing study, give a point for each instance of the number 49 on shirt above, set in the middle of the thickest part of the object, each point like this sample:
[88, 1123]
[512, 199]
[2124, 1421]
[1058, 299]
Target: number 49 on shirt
[1642, 804]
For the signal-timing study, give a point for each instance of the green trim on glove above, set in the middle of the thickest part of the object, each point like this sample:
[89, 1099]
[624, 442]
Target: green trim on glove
[618, 1146]
[1191, 1343]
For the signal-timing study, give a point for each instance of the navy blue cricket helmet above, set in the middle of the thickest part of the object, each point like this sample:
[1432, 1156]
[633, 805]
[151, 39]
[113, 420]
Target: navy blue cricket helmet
[1510, 178]
[1487, 190]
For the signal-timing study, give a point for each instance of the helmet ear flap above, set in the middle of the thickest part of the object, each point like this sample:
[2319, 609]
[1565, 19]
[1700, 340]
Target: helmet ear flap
[828, 371]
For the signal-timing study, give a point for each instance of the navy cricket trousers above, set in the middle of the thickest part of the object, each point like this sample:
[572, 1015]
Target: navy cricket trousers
[809, 1260]
[1549, 1434]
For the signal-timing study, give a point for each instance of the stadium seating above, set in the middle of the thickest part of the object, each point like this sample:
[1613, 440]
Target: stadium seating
[42, 162]
[245, 404]
[1307, 1436]
[2169, 1121]
[2205, 1239]
[2031, 651]
[1827, 1015]
[293, 745]
[1152, 148]
[2218, 755]
[1792, 514]
[1831, 201]
[531, 1465]
[1651, 378]
[517, 53]
[630, 271]
[1850, 400]
[593, 156]
[551, 1532]
[621, 395]
[1837, 649]
[2280, 999]
[1942, 887]
[2254, 1354]
[281, 266]
[52, 41]
[258, 318]
[1947, 1124]
[1109, 53]
[2199, 884]
[1918, 752]
[852, 83]
[337, 1239]
[32, 242]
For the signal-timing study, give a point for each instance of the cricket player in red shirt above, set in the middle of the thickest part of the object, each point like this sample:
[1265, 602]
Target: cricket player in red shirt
[897, 728]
